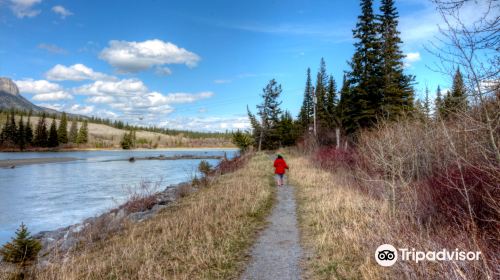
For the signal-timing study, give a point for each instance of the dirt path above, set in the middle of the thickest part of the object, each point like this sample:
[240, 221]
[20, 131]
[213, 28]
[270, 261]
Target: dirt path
[277, 252]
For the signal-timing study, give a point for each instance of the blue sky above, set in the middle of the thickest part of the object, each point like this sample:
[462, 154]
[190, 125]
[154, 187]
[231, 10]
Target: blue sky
[188, 64]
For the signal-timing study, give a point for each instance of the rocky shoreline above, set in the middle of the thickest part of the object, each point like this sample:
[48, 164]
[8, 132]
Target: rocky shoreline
[57, 243]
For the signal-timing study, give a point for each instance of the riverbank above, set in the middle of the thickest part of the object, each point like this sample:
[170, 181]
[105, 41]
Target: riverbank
[78, 149]
[12, 163]
[201, 235]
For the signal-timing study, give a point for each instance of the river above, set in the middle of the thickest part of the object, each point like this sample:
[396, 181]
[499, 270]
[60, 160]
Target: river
[52, 195]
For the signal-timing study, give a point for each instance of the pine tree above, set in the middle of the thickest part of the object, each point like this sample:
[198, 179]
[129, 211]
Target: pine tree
[331, 103]
[62, 131]
[397, 91]
[456, 101]
[9, 133]
[321, 97]
[306, 111]
[53, 140]
[427, 104]
[365, 76]
[41, 133]
[73, 132]
[438, 104]
[287, 130]
[22, 250]
[242, 140]
[269, 113]
[21, 136]
[28, 131]
[83, 133]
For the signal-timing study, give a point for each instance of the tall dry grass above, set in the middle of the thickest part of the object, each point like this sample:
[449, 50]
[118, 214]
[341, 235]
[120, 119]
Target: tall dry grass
[426, 185]
[203, 236]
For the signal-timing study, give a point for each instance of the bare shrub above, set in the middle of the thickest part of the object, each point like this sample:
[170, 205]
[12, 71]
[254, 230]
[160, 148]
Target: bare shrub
[142, 198]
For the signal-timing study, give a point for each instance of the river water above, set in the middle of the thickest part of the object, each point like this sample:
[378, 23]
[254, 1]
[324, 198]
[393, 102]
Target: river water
[52, 195]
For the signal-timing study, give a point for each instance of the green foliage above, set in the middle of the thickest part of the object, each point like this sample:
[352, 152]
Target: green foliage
[205, 167]
[22, 250]
[28, 132]
[305, 117]
[53, 140]
[242, 140]
[378, 88]
[83, 134]
[73, 132]
[128, 140]
[41, 133]
[456, 100]
[21, 136]
[62, 131]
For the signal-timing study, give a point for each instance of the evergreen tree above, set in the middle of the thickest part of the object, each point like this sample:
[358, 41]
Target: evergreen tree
[427, 104]
[62, 131]
[83, 133]
[269, 113]
[41, 133]
[331, 103]
[438, 104]
[127, 141]
[53, 140]
[287, 130]
[22, 250]
[365, 76]
[397, 91]
[306, 111]
[28, 131]
[73, 132]
[21, 136]
[320, 93]
[456, 100]
[242, 140]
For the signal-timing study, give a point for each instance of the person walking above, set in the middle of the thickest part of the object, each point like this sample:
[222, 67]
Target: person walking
[279, 169]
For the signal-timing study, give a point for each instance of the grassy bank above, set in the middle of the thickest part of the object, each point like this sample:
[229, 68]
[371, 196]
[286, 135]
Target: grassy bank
[340, 227]
[202, 236]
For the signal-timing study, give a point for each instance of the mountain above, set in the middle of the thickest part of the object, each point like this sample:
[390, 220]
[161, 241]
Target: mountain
[10, 98]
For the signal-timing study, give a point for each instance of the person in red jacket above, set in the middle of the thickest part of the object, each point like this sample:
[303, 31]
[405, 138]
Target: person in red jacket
[279, 169]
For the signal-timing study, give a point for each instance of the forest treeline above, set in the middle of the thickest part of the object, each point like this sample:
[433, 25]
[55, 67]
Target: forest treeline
[21, 134]
[374, 89]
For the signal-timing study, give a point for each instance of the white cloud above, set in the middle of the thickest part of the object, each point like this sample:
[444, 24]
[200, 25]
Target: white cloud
[37, 86]
[80, 109]
[52, 48]
[163, 71]
[411, 58]
[124, 87]
[136, 56]
[60, 10]
[208, 123]
[101, 99]
[24, 8]
[52, 96]
[171, 98]
[76, 72]
[222, 81]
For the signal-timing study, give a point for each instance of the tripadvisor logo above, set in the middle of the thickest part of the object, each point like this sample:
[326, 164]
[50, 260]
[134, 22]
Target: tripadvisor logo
[387, 255]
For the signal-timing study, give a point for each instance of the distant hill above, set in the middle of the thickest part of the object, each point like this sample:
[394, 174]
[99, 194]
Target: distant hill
[10, 98]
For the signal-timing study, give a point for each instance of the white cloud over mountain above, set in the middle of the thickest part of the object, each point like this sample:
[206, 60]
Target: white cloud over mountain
[76, 72]
[125, 87]
[129, 57]
[52, 96]
[36, 86]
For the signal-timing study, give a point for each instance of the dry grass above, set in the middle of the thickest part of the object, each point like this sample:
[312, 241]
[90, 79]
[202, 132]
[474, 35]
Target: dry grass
[339, 225]
[202, 236]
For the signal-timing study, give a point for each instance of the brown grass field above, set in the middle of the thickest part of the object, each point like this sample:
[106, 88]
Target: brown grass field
[204, 235]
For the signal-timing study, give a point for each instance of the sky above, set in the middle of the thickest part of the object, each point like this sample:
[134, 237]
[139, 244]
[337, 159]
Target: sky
[187, 64]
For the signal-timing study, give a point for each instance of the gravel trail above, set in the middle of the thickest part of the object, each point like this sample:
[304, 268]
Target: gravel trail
[277, 252]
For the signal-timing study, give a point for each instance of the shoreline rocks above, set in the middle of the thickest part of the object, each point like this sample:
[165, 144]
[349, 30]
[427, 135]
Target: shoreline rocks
[59, 242]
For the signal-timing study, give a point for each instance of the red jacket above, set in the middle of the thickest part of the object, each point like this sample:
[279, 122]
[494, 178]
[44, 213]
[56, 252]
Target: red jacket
[280, 166]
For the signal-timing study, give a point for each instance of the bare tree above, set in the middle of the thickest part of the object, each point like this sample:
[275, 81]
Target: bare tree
[474, 46]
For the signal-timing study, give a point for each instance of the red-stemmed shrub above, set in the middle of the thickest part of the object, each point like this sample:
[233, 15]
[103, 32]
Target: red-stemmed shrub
[332, 158]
